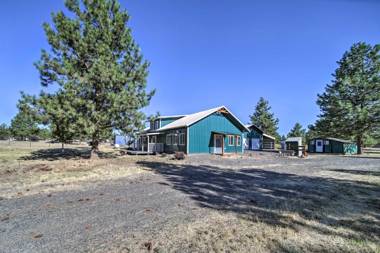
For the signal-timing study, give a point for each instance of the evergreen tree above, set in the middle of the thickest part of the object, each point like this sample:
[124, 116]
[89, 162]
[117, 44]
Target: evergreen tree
[98, 66]
[4, 132]
[350, 105]
[297, 131]
[24, 126]
[264, 119]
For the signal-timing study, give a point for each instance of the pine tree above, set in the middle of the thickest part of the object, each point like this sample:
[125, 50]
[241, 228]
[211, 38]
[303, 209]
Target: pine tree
[350, 105]
[98, 66]
[4, 132]
[297, 131]
[264, 119]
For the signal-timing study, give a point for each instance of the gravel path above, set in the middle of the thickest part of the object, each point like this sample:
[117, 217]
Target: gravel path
[89, 219]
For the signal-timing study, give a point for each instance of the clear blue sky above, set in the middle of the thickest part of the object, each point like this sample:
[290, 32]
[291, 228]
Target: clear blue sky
[209, 53]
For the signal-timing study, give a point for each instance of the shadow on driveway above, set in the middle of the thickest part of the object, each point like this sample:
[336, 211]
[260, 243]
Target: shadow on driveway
[262, 195]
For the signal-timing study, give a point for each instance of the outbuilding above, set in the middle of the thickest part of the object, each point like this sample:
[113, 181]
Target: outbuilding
[256, 139]
[215, 131]
[331, 145]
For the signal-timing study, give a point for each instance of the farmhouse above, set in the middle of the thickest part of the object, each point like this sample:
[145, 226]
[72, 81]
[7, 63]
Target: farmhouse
[258, 140]
[215, 131]
[331, 145]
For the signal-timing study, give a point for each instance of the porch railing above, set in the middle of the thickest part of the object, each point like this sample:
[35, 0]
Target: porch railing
[156, 147]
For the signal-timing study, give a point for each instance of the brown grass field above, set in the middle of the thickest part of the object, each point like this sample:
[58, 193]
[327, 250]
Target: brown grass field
[251, 203]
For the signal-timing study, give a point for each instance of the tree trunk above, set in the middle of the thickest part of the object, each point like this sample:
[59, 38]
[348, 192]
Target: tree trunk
[359, 144]
[62, 147]
[94, 149]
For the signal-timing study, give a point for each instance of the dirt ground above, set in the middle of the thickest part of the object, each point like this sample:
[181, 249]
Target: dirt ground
[259, 202]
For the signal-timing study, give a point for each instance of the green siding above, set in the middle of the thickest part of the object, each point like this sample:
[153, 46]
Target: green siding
[334, 147]
[201, 136]
[166, 121]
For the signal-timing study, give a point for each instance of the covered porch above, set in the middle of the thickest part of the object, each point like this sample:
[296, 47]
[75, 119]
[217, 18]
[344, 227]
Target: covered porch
[148, 142]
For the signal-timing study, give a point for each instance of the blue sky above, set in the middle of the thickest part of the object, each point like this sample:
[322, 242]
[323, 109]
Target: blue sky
[206, 53]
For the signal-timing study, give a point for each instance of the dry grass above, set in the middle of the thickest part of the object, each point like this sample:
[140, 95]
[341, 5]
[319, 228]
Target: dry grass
[22, 173]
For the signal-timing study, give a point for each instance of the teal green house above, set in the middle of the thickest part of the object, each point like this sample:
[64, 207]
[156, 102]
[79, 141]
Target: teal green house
[215, 131]
[331, 145]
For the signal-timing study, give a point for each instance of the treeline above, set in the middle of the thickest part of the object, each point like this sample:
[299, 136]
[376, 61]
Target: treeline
[350, 104]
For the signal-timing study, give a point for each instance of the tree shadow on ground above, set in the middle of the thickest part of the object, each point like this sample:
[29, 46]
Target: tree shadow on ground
[267, 196]
[359, 172]
[53, 154]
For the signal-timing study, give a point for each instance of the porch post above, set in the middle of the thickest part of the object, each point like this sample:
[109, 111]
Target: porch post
[148, 143]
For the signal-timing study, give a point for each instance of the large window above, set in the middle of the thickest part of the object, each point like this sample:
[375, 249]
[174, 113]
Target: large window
[231, 140]
[238, 140]
[181, 139]
[169, 139]
[174, 139]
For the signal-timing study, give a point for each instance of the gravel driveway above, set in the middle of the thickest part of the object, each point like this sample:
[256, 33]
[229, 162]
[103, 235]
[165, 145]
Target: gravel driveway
[95, 217]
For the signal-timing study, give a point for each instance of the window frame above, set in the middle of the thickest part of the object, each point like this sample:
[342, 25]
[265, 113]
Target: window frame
[231, 137]
[168, 137]
[174, 139]
[238, 140]
[179, 139]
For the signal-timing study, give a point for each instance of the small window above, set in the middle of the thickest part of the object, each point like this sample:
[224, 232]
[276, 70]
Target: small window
[153, 139]
[169, 139]
[327, 142]
[231, 141]
[181, 139]
[312, 142]
[156, 124]
[238, 140]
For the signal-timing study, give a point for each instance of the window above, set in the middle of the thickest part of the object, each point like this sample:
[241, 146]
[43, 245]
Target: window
[156, 124]
[169, 139]
[153, 139]
[238, 140]
[327, 142]
[174, 139]
[231, 140]
[181, 139]
[312, 142]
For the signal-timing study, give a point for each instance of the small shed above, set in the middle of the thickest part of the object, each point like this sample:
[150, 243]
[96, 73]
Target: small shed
[258, 140]
[331, 145]
[294, 143]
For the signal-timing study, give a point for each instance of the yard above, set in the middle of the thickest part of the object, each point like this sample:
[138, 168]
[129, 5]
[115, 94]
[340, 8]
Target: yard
[54, 202]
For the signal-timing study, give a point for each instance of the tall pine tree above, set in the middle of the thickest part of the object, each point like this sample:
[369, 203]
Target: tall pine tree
[96, 63]
[265, 119]
[350, 105]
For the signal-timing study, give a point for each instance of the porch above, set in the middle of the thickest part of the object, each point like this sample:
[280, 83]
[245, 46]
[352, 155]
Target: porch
[148, 143]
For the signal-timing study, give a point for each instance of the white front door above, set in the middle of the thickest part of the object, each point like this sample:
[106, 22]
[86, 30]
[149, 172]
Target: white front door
[218, 144]
[319, 146]
[255, 143]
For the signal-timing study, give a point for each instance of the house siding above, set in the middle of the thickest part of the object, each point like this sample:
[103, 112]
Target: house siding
[201, 134]
[334, 147]
[166, 121]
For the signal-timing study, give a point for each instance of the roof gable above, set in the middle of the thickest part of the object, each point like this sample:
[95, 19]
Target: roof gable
[195, 117]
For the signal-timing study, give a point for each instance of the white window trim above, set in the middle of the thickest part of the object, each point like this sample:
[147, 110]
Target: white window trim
[238, 140]
[175, 142]
[233, 140]
[179, 139]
